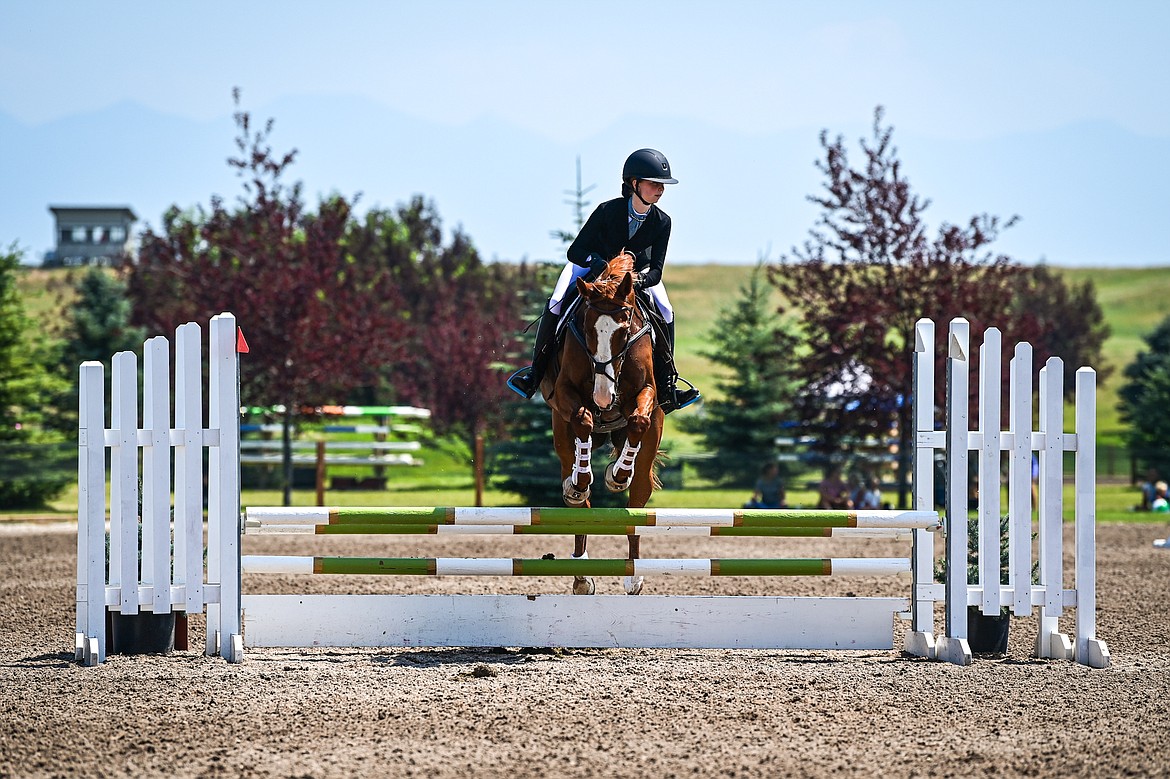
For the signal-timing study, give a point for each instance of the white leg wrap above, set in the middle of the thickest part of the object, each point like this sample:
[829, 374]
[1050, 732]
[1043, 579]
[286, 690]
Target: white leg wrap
[633, 585]
[629, 453]
[625, 462]
[584, 453]
[574, 495]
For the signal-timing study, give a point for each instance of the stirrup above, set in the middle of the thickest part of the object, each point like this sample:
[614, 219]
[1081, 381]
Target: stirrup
[688, 396]
[676, 399]
[515, 383]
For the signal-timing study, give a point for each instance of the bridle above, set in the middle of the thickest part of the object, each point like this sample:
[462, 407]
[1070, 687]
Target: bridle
[615, 363]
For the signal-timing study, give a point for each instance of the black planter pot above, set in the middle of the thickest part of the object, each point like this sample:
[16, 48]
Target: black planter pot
[143, 633]
[987, 633]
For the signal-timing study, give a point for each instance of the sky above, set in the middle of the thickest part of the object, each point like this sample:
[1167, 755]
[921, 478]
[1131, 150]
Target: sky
[1058, 112]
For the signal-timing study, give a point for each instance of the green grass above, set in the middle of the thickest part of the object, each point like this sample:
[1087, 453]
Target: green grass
[44, 293]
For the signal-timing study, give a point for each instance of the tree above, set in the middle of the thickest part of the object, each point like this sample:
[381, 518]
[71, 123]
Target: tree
[335, 307]
[1143, 399]
[96, 325]
[36, 464]
[318, 321]
[462, 317]
[869, 271]
[579, 204]
[525, 462]
[758, 354]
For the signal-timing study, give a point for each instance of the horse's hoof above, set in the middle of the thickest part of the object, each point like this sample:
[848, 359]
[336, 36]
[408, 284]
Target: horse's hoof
[583, 585]
[611, 482]
[576, 498]
[572, 495]
[633, 585]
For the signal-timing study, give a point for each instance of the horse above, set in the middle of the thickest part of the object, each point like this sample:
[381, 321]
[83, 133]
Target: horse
[604, 388]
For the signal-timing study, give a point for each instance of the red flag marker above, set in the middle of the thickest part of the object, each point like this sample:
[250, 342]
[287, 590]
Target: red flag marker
[241, 344]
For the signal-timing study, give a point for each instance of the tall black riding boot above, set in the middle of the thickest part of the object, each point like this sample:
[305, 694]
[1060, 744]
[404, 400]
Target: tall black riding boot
[670, 397]
[526, 381]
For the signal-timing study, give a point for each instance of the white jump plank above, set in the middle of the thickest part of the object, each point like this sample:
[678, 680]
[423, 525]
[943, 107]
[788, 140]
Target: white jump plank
[715, 622]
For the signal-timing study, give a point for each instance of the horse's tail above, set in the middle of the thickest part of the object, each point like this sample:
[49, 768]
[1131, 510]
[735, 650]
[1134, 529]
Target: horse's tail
[659, 458]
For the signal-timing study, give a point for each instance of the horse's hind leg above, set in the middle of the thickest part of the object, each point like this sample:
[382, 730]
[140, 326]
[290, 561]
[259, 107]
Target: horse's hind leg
[582, 585]
[573, 443]
[641, 487]
[633, 584]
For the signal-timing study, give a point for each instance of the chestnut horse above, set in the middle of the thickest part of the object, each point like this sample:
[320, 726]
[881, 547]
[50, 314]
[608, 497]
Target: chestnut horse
[604, 388]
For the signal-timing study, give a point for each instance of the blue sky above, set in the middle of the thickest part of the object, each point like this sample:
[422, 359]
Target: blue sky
[1056, 111]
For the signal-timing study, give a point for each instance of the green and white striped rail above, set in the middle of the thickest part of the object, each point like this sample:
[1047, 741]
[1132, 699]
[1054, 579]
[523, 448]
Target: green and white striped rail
[377, 528]
[459, 566]
[577, 519]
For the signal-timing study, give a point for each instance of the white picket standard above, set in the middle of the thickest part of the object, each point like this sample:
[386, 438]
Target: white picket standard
[1026, 437]
[920, 640]
[155, 560]
[155, 541]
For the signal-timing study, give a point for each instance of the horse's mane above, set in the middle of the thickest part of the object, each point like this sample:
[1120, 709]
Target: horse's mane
[615, 270]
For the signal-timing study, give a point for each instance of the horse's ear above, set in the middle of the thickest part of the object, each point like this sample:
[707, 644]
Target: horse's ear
[626, 287]
[582, 287]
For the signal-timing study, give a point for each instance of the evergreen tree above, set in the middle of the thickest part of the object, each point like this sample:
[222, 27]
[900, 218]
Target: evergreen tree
[525, 462]
[1143, 400]
[757, 352]
[35, 464]
[96, 326]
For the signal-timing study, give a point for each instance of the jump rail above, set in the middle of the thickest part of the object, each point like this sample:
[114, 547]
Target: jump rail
[147, 577]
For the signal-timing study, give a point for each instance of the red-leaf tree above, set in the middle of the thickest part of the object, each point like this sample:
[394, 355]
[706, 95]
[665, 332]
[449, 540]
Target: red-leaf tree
[335, 308]
[869, 271]
[463, 314]
[318, 321]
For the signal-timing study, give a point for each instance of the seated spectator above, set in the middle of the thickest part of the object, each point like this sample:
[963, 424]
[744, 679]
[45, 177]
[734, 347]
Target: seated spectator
[871, 495]
[1148, 488]
[769, 492]
[1160, 503]
[834, 493]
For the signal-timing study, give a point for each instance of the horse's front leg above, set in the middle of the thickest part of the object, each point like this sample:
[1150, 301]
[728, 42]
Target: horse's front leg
[620, 472]
[577, 476]
[576, 485]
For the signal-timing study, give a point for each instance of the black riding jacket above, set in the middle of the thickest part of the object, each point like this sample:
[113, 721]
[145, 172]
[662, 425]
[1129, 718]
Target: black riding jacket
[607, 232]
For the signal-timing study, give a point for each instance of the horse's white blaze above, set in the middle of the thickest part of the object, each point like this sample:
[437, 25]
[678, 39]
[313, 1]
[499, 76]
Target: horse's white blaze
[603, 386]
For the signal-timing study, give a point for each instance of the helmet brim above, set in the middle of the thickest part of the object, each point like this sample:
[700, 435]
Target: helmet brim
[661, 181]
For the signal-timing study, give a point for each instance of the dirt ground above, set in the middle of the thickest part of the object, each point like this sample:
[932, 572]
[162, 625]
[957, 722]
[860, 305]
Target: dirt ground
[579, 713]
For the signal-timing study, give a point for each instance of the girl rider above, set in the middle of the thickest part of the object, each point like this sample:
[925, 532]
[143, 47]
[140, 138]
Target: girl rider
[635, 223]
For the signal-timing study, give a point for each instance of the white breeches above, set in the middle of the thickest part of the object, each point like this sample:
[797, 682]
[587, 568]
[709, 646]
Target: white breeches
[572, 272]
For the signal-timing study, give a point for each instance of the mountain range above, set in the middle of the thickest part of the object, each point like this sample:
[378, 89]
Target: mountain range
[1091, 193]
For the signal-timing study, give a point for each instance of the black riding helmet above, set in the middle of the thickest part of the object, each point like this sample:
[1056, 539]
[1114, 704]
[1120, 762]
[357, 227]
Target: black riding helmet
[647, 165]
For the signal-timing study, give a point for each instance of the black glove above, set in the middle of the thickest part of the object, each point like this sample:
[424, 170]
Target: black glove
[597, 265]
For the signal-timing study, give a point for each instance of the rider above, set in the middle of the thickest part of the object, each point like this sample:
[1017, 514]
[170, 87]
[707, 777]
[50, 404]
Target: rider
[632, 222]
